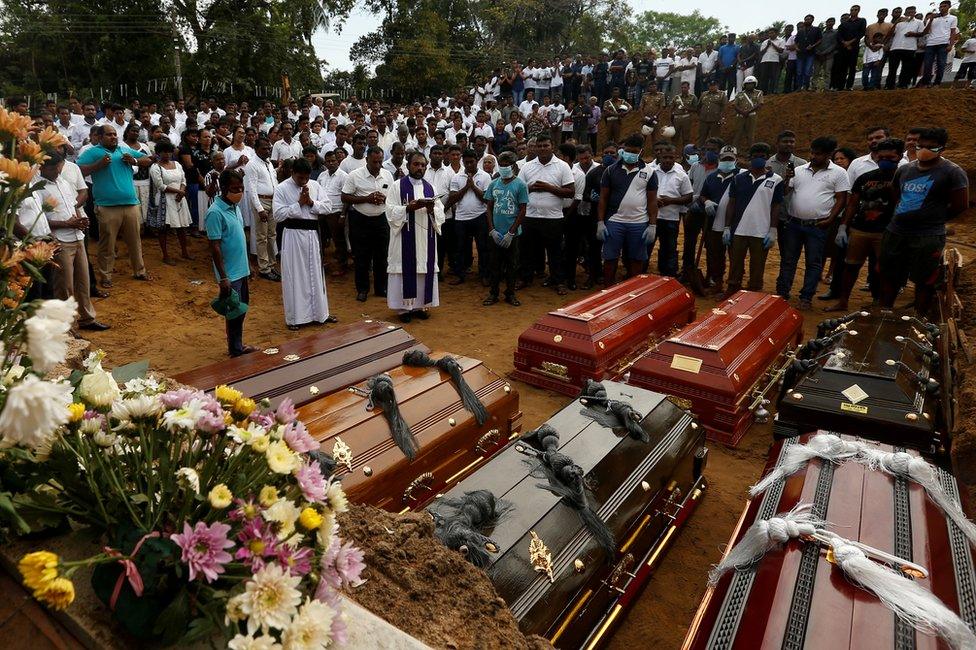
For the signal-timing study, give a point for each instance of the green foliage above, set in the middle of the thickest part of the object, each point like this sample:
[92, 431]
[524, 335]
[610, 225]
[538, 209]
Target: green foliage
[656, 29]
[967, 18]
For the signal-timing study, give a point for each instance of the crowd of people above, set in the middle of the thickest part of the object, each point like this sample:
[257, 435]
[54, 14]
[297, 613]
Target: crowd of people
[508, 184]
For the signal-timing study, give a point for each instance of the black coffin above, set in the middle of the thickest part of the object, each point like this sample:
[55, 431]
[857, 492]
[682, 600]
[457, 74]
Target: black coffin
[643, 491]
[873, 376]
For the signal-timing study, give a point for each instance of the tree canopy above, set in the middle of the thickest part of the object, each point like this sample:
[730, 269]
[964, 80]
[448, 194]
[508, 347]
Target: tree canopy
[664, 28]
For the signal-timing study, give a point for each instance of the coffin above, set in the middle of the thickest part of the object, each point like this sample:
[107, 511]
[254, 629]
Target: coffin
[451, 442]
[644, 491]
[307, 368]
[844, 381]
[722, 363]
[600, 336]
[795, 598]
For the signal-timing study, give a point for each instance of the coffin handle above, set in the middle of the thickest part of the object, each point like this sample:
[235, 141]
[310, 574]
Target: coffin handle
[487, 441]
[622, 569]
[422, 482]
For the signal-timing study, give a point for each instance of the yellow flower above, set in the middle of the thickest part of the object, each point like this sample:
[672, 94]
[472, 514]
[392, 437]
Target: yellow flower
[57, 594]
[260, 443]
[16, 173]
[13, 125]
[50, 139]
[76, 411]
[310, 519]
[30, 151]
[281, 459]
[244, 406]
[38, 569]
[268, 496]
[220, 496]
[226, 394]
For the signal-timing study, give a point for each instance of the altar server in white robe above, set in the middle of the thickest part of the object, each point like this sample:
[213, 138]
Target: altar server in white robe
[297, 204]
[415, 216]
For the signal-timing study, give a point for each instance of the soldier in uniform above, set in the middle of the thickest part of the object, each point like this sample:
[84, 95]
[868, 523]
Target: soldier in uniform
[746, 104]
[711, 112]
[614, 110]
[652, 104]
[683, 106]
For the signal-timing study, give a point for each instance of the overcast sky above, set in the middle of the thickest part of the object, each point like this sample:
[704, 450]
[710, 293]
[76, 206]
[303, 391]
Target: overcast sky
[738, 16]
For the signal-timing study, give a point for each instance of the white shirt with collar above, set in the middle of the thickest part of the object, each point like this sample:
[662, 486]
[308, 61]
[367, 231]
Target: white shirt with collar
[674, 184]
[440, 180]
[286, 150]
[260, 179]
[901, 42]
[65, 196]
[813, 190]
[390, 167]
[708, 60]
[332, 184]
[941, 29]
[545, 205]
[360, 182]
[31, 216]
[470, 206]
[351, 164]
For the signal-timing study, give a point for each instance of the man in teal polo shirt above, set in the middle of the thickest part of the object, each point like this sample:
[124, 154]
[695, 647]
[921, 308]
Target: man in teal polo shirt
[116, 203]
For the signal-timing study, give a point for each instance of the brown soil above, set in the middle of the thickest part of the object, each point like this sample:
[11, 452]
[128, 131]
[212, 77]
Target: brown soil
[420, 586]
[964, 441]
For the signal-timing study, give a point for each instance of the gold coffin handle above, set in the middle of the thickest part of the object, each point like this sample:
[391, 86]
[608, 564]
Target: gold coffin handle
[422, 482]
[489, 439]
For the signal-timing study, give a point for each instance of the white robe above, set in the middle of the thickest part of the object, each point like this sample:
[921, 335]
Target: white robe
[302, 279]
[396, 214]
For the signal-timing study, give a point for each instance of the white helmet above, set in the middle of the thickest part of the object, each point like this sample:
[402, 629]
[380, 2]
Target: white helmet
[668, 132]
[647, 130]
[749, 80]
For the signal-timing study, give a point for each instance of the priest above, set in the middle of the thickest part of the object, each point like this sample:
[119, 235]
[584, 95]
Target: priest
[297, 204]
[415, 217]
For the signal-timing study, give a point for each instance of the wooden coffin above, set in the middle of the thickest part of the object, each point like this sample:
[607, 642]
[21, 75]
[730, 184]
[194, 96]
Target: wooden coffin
[451, 442]
[600, 336]
[795, 598]
[844, 381]
[307, 368]
[721, 363]
[644, 491]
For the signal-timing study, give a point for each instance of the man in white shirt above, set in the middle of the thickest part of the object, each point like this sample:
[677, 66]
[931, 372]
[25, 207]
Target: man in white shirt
[707, 61]
[525, 108]
[457, 126]
[332, 179]
[364, 192]
[687, 67]
[467, 197]
[674, 194]
[549, 180]
[396, 164]
[439, 175]
[770, 51]
[65, 126]
[868, 161]
[81, 131]
[260, 180]
[941, 32]
[358, 157]
[385, 136]
[903, 43]
[967, 67]
[819, 193]
[662, 70]
[288, 148]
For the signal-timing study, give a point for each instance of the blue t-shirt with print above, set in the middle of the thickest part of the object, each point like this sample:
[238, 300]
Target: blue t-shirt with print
[112, 185]
[506, 199]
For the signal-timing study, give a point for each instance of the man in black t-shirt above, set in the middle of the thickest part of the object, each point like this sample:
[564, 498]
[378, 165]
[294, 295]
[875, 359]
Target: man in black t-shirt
[850, 32]
[869, 209]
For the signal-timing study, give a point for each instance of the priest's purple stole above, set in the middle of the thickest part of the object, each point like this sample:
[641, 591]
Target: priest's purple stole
[408, 245]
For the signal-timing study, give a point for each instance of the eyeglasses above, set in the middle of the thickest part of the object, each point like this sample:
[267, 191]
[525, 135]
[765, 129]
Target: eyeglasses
[932, 149]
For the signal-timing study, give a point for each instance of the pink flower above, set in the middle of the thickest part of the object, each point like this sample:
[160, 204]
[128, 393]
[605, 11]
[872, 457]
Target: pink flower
[341, 567]
[211, 422]
[298, 438]
[340, 631]
[311, 482]
[257, 542]
[266, 420]
[297, 561]
[246, 509]
[286, 413]
[203, 548]
[178, 398]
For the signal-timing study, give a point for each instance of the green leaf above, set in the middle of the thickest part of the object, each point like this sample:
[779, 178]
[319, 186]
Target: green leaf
[139, 498]
[33, 270]
[9, 513]
[200, 628]
[171, 624]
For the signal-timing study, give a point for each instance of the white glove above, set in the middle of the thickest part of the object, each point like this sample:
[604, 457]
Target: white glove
[841, 239]
[507, 240]
[710, 208]
[601, 231]
[496, 237]
[727, 236]
[769, 239]
[650, 234]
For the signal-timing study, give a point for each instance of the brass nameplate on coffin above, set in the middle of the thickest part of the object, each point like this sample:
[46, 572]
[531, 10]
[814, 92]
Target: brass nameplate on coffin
[680, 402]
[554, 370]
[687, 364]
[853, 408]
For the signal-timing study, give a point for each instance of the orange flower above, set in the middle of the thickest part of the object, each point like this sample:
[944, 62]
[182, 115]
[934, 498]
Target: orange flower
[15, 172]
[13, 125]
[9, 303]
[50, 139]
[10, 256]
[41, 252]
[30, 151]
[49, 204]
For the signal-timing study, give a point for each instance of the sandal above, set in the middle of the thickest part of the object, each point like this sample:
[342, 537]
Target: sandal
[490, 300]
[513, 301]
[331, 319]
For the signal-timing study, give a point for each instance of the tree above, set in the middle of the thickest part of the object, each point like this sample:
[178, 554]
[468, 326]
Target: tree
[967, 18]
[658, 29]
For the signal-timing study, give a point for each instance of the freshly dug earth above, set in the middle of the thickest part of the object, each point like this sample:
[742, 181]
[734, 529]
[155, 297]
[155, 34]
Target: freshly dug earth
[420, 586]
[964, 442]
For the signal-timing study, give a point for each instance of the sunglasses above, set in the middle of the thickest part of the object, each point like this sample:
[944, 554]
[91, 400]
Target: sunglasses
[933, 149]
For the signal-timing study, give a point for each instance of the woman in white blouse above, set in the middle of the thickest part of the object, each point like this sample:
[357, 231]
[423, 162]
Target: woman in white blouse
[167, 200]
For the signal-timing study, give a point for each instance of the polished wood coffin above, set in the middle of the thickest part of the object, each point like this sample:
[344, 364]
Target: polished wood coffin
[644, 491]
[722, 362]
[451, 442]
[856, 377]
[795, 598]
[307, 368]
[599, 336]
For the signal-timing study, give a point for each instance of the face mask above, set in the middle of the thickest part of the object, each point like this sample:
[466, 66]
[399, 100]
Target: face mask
[235, 197]
[506, 171]
[692, 159]
[758, 163]
[887, 165]
[629, 157]
[926, 154]
[726, 165]
[608, 159]
[269, 120]
[711, 157]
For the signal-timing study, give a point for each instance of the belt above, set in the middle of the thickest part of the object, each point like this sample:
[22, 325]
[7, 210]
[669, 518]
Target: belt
[300, 224]
[803, 222]
[265, 196]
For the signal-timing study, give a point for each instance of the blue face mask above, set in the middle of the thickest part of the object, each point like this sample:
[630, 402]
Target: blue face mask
[269, 119]
[887, 165]
[692, 159]
[711, 157]
[726, 165]
[608, 159]
[506, 172]
[758, 163]
[629, 157]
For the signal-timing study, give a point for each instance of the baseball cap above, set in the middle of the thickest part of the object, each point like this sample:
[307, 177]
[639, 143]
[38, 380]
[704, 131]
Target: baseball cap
[728, 152]
[689, 149]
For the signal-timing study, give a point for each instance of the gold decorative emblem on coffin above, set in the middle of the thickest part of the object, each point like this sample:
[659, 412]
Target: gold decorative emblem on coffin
[554, 370]
[680, 402]
[539, 556]
[342, 454]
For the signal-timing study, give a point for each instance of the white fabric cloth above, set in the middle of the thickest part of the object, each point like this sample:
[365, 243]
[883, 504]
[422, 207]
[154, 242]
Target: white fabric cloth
[177, 210]
[396, 301]
[396, 215]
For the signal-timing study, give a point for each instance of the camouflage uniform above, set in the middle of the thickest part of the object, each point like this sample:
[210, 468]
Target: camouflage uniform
[711, 107]
[747, 101]
[652, 103]
[682, 109]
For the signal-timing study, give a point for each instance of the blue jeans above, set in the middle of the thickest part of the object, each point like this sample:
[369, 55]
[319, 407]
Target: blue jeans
[517, 96]
[191, 200]
[804, 70]
[871, 75]
[667, 252]
[934, 54]
[797, 235]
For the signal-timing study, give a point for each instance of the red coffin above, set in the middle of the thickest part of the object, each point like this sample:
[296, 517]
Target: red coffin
[599, 336]
[718, 362]
[794, 597]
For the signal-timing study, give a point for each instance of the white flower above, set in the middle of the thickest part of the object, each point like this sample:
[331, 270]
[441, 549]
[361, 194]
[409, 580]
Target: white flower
[187, 477]
[284, 513]
[271, 598]
[245, 436]
[242, 642]
[281, 459]
[337, 498]
[134, 408]
[311, 629]
[16, 372]
[184, 417]
[141, 385]
[327, 531]
[98, 388]
[63, 311]
[233, 613]
[33, 412]
[47, 341]
[104, 439]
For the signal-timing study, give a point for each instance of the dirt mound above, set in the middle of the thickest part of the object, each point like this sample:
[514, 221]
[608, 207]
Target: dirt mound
[425, 589]
[964, 440]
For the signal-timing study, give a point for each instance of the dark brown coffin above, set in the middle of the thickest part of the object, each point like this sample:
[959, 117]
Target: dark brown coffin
[892, 404]
[720, 362]
[310, 367]
[643, 491]
[451, 442]
[795, 598]
[600, 336]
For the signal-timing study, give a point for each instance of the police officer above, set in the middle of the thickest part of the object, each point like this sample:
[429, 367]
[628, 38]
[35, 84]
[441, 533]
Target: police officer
[652, 104]
[683, 106]
[746, 104]
[711, 110]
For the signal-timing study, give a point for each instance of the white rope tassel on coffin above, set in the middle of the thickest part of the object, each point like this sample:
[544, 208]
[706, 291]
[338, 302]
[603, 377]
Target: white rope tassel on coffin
[765, 535]
[922, 472]
[825, 446]
[906, 598]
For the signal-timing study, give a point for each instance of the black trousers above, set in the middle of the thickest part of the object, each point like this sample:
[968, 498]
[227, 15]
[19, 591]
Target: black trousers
[903, 60]
[576, 243]
[464, 231]
[503, 263]
[370, 239]
[542, 236]
[768, 76]
[447, 247]
[845, 65]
